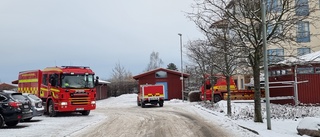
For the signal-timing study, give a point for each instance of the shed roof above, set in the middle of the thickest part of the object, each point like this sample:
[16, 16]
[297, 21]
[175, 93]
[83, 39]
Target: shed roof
[103, 82]
[7, 86]
[185, 75]
[310, 58]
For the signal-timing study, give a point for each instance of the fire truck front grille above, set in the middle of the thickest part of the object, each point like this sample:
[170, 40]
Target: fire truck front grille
[80, 101]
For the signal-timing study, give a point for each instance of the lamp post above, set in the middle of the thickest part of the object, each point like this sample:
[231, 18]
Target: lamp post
[181, 78]
[265, 62]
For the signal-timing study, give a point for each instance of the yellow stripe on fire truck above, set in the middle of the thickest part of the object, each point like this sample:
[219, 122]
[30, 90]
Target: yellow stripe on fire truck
[28, 80]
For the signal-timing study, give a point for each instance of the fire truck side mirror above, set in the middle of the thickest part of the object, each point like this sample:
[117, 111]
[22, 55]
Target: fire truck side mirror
[96, 82]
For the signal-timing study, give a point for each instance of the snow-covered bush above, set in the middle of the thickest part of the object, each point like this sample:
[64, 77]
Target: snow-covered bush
[245, 110]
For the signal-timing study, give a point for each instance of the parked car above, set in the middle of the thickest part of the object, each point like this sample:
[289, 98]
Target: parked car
[36, 105]
[13, 108]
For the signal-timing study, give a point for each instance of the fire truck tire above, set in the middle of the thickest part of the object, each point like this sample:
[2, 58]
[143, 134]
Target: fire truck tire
[161, 104]
[217, 98]
[51, 111]
[85, 113]
[1, 121]
[143, 105]
[12, 123]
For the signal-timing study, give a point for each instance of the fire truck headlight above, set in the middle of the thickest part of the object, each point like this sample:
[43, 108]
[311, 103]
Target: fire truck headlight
[93, 102]
[63, 103]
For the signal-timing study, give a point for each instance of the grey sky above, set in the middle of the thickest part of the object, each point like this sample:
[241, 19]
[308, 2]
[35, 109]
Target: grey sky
[35, 34]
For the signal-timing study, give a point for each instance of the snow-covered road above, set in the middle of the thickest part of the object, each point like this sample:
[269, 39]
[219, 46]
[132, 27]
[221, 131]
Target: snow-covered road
[152, 121]
[121, 117]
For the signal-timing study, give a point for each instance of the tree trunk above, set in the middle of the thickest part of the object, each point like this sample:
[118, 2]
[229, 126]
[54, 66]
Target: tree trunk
[228, 97]
[257, 93]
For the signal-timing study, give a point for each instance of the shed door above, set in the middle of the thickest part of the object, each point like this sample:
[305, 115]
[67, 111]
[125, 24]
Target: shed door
[165, 84]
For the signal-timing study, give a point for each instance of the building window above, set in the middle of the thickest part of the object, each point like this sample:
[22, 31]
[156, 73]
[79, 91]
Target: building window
[317, 69]
[289, 71]
[275, 55]
[303, 51]
[305, 70]
[303, 31]
[274, 5]
[302, 8]
[161, 74]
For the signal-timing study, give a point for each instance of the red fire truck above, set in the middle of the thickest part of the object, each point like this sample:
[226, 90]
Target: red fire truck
[219, 90]
[151, 94]
[62, 89]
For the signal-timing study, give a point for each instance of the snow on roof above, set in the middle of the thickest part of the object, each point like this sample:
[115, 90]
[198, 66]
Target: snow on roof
[103, 82]
[304, 59]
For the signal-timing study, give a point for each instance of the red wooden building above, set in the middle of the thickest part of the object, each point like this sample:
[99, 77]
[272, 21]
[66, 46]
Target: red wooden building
[102, 90]
[305, 70]
[169, 78]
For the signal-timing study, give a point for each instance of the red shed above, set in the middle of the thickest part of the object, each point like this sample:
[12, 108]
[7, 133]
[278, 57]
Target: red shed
[169, 78]
[307, 71]
[102, 90]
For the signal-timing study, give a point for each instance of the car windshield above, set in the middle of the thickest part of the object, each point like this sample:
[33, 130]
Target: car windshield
[77, 81]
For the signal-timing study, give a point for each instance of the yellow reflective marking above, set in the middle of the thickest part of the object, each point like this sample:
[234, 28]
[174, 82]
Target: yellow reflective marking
[29, 74]
[55, 90]
[52, 69]
[28, 80]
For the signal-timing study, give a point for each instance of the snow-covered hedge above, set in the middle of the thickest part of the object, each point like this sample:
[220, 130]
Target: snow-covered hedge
[245, 110]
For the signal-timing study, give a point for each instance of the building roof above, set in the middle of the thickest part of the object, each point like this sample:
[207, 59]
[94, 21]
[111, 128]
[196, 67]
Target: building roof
[310, 58]
[5, 86]
[103, 82]
[185, 75]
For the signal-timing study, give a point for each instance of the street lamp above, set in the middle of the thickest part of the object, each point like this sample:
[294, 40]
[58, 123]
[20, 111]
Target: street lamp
[181, 78]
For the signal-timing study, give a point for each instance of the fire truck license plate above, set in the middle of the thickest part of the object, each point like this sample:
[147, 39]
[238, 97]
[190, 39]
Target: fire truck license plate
[153, 98]
[79, 108]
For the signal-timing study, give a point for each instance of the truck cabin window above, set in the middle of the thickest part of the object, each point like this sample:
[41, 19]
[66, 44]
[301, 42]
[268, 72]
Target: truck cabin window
[77, 81]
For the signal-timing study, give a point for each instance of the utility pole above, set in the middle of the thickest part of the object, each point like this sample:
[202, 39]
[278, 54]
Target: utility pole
[265, 62]
[181, 78]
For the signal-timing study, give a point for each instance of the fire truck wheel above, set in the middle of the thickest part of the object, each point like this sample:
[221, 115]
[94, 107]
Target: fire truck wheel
[217, 98]
[143, 105]
[161, 104]
[51, 111]
[1, 121]
[85, 113]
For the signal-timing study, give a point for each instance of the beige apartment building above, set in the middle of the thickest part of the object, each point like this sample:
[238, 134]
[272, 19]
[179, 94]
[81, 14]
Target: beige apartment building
[306, 33]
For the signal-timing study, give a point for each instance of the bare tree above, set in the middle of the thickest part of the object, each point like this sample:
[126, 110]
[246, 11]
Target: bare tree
[155, 61]
[121, 81]
[205, 56]
[245, 23]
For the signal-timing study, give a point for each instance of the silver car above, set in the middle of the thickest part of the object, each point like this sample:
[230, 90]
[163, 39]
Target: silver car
[36, 105]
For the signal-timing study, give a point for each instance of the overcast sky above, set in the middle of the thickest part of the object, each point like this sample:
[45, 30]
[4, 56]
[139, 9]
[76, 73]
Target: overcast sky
[35, 34]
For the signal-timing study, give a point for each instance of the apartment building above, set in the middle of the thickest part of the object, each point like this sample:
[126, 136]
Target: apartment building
[304, 35]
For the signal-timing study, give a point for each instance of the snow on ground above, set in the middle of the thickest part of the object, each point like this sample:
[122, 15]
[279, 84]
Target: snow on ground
[284, 122]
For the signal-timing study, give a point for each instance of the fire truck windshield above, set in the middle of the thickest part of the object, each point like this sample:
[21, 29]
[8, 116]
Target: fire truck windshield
[77, 81]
